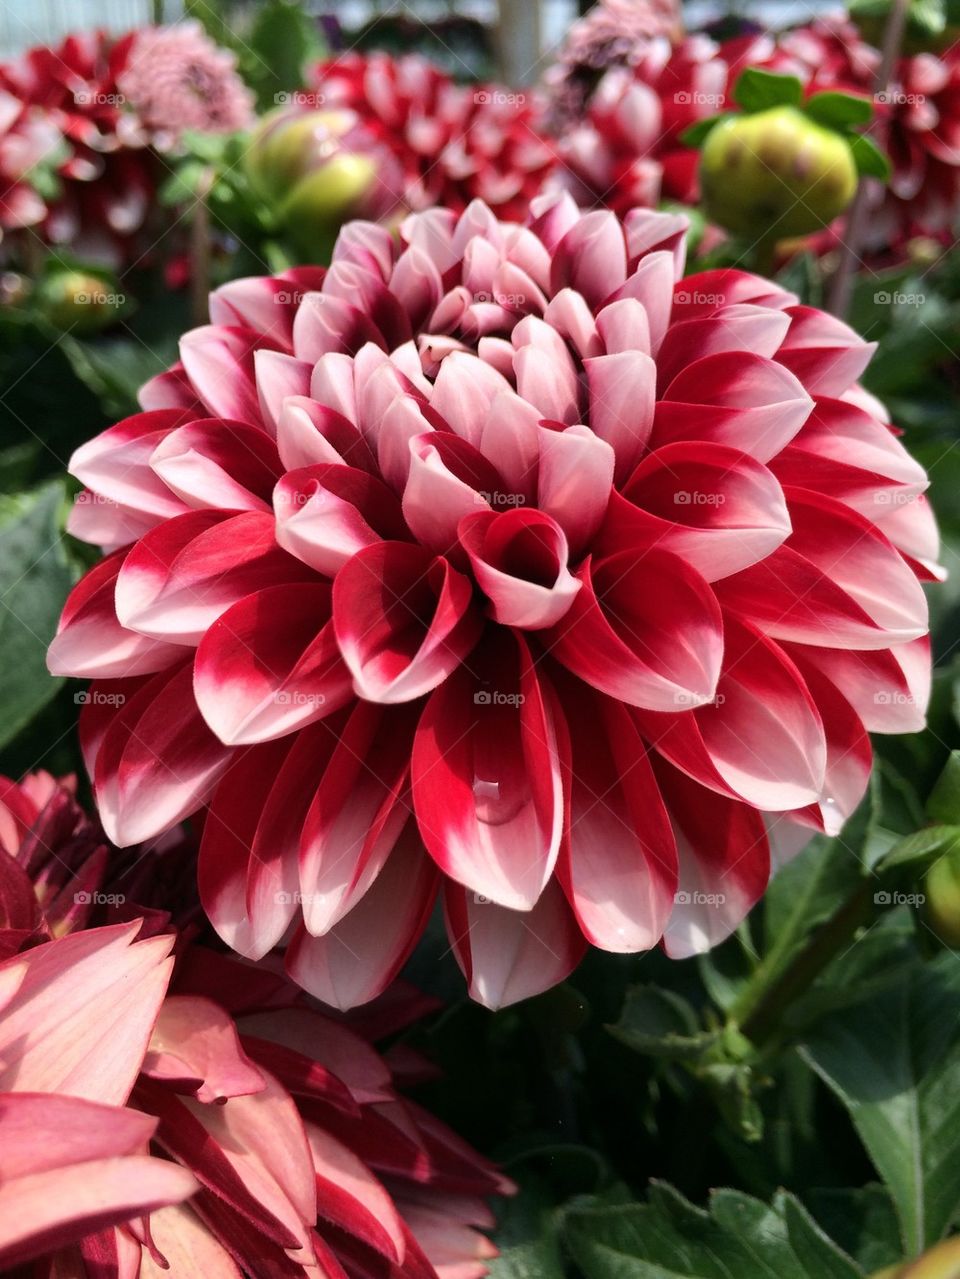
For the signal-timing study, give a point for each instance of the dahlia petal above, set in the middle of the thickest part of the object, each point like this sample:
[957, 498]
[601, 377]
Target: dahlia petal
[622, 394]
[327, 324]
[463, 392]
[356, 816]
[706, 292]
[157, 762]
[308, 432]
[185, 1242]
[266, 304]
[403, 620]
[332, 385]
[623, 326]
[591, 257]
[849, 755]
[644, 629]
[195, 1043]
[510, 955]
[651, 284]
[888, 688]
[912, 529]
[743, 327]
[401, 424]
[618, 862]
[738, 399]
[170, 390]
[825, 354]
[574, 481]
[359, 957]
[219, 364]
[229, 466]
[519, 559]
[546, 377]
[270, 665]
[448, 479]
[724, 864]
[116, 463]
[717, 508]
[107, 524]
[367, 244]
[48, 1209]
[417, 284]
[510, 440]
[352, 1198]
[91, 644]
[82, 1016]
[278, 375]
[567, 312]
[327, 513]
[762, 740]
[649, 229]
[486, 775]
[181, 576]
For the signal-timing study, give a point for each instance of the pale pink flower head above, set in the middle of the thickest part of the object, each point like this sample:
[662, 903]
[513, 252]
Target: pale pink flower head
[30, 142]
[178, 79]
[506, 562]
[139, 1069]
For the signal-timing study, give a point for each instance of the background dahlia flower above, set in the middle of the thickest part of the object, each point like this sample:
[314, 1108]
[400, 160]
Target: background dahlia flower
[139, 1069]
[107, 174]
[502, 560]
[28, 144]
[455, 142]
[176, 79]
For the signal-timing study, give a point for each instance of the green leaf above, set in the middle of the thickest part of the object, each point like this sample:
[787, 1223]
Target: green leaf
[527, 1237]
[870, 160]
[917, 850]
[284, 39]
[862, 1222]
[35, 576]
[662, 1024]
[894, 1062]
[695, 134]
[184, 183]
[757, 90]
[737, 1238]
[840, 111]
[943, 803]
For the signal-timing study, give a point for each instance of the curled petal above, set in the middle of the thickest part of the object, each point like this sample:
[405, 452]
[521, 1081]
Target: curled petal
[824, 353]
[309, 432]
[449, 478]
[115, 464]
[645, 628]
[622, 393]
[229, 466]
[403, 619]
[519, 559]
[574, 480]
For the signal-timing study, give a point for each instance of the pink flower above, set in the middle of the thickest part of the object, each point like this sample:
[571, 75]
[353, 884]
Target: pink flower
[285, 1128]
[456, 143]
[503, 559]
[76, 1017]
[176, 79]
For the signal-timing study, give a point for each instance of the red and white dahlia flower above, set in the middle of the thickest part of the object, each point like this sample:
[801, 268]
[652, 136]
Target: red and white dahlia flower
[504, 560]
[139, 1070]
[456, 143]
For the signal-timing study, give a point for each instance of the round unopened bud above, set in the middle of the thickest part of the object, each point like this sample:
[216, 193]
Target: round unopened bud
[942, 891]
[79, 301]
[941, 1262]
[775, 174]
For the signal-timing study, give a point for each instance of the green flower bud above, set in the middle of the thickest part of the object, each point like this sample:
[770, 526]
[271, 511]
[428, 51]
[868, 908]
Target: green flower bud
[80, 301]
[775, 173]
[317, 169]
[941, 1262]
[942, 890]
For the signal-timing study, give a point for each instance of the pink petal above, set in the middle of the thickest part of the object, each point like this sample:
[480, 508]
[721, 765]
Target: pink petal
[519, 560]
[622, 394]
[278, 377]
[157, 761]
[91, 644]
[230, 466]
[352, 1198]
[644, 629]
[486, 775]
[403, 620]
[116, 463]
[179, 578]
[825, 354]
[574, 481]
[889, 688]
[326, 513]
[270, 665]
[308, 432]
[359, 957]
[219, 362]
[195, 1043]
[509, 955]
[83, 1014]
